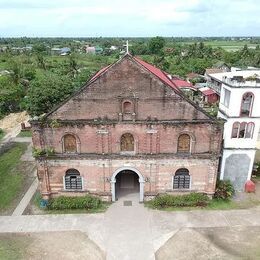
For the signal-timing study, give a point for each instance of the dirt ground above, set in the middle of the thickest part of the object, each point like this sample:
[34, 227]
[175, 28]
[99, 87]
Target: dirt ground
[12, 120]
[49, 245]
[212, 243]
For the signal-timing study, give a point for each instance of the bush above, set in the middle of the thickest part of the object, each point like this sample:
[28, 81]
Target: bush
[37, 152]
[188, 200]
[224, 190]
[63, 202]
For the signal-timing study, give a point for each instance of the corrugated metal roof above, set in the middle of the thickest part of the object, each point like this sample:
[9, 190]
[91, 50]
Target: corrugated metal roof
[207, 91]
[157, 72]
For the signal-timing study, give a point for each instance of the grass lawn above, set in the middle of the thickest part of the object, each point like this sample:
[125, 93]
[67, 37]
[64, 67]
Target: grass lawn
[226, 45]
[11, 180]
[12, 247]
[26, 133]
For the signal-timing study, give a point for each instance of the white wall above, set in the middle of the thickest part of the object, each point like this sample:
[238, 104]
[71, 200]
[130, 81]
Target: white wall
[236, 98]
[240, 142]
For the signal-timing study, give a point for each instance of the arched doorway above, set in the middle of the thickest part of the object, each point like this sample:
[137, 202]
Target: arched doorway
[125, 180]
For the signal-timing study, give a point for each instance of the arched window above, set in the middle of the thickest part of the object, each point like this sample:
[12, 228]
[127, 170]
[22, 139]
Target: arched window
[249, 130]
[127, 143]
[69, 143]
[243, 130]
[235, 130]
[73, 180]
[128, 107]
[181, 179]
[184, 143]
[247, 103]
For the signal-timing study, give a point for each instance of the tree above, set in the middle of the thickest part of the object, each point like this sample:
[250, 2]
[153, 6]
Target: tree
[139, 48]
[73, 66]
[47, 91]
[156, 44]
[11, 95]
[41, 61]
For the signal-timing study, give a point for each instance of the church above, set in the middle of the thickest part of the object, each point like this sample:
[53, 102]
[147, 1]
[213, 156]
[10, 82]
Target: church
[128, 127]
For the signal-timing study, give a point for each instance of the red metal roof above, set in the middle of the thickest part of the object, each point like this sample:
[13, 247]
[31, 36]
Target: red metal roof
[157, 72]
[180, 83]
[176, 83]
[207, 92]
[99, 73]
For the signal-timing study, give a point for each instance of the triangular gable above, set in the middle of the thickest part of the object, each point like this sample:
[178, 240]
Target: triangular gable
[159, 74]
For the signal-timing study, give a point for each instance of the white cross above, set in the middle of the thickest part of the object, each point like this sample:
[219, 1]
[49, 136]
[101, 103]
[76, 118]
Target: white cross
[127, 47]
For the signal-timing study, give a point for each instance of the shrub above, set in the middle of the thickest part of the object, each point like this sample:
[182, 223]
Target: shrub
[63, 202]
[37, 152]
[224, 190]
[188, 200]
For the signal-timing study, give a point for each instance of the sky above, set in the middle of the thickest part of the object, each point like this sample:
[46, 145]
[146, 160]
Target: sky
[129, 18]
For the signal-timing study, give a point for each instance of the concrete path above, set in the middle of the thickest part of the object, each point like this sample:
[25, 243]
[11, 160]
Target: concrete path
[26, 199]
[131, 232]
[130, 226]
[27, 156]
[23, 139]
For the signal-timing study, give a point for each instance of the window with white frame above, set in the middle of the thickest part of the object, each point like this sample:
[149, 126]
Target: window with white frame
[226, 97]
[243, 130]
[72, 180]
[246, 104]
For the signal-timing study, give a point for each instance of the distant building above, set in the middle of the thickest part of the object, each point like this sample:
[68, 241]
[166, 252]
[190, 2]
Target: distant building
[209, 96]
[61, 51]
[113, 48]
[193, 76]
[213, 82]
[240, 107]
[94, 50]
[90, 50]
[65, 51]
[222, 65]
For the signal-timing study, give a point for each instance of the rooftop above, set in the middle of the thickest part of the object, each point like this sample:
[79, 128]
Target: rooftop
[246, 78]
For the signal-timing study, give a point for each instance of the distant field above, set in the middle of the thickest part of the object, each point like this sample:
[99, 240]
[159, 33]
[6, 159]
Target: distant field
[227, 45]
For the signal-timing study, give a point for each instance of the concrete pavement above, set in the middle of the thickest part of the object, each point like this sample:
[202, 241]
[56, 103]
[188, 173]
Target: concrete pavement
[131, 232]
[26, 199]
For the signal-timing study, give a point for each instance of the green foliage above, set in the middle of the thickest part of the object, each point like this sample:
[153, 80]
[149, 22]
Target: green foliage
[55, 124]
[156, 44]
[224, 190]
[63, 202]
[10, 95]
[25, 133]
[37, 152]
[213, 110]
[188, 200]
[47, 91]
[139, 48]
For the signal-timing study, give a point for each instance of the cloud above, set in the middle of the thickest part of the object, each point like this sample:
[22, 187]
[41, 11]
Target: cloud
[129, 18]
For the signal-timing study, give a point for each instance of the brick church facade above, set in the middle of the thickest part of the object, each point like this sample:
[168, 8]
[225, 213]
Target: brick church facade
[129, 120]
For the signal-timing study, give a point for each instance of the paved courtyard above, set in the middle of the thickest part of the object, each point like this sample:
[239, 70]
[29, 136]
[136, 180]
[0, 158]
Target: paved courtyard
[135, 232]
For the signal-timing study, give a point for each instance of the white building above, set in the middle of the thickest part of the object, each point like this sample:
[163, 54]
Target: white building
[240, 107]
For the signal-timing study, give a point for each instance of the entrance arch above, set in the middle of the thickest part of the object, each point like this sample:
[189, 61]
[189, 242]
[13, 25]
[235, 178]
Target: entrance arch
[141, 182]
